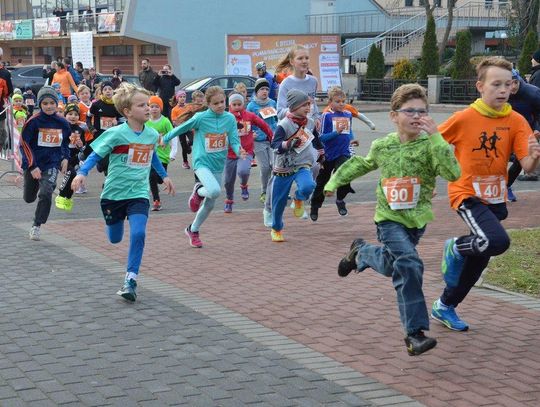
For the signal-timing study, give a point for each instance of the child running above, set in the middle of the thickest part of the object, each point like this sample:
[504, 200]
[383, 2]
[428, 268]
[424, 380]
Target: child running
[484, 136]
[293, 159]
[131, 148]
[29, 99]
[186, 139]
[233, 166]
[44, 150]
[77, 142]
[20, 111]
[336, 129]
[215, 130]
[165, 151]
[410, 161]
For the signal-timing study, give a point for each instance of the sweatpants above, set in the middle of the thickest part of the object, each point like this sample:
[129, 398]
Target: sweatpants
[233, 167]
[42, 189]
[487, 238]
[265, 158]
[155, 181]
[324, 176]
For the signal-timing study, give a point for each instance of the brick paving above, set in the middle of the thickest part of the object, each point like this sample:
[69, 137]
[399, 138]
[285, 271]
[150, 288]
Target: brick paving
[293, 290]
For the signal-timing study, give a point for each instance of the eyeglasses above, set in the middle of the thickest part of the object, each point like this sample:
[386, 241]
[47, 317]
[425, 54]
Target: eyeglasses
[413, 112]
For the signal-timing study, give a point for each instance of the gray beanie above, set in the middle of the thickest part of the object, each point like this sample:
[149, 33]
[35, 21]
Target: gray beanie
[261, 83]
[47, 92]
[295, 99]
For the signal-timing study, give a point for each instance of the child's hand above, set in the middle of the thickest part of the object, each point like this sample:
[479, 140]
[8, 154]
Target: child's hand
[354, 143]
[328, 193]
[36, 173]
[340, 127]
[534, 147]
[372, 126]
[428, 125]
[64, 166]
[78, 181]
[169, 187]
[292, 143]
[243, 153]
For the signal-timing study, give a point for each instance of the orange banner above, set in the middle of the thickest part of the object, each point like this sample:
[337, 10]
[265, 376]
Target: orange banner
[244, 51]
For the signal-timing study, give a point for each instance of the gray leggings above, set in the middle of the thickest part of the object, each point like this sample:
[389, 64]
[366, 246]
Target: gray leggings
[265, 158]
[42, 189]
[234, 166]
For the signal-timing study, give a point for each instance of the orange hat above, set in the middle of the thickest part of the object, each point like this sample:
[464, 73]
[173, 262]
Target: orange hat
[157, 101]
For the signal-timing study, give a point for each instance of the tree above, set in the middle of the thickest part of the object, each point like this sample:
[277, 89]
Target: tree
[430, 52]
[529, 47]
[404, 69]
[442, 46]
[522, 18]
[462, 68]
[375, 63]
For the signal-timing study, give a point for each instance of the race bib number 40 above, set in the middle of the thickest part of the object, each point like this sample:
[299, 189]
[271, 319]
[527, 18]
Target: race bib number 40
[402, 193]
[50, 137]
[490, 188]
[140, 155]
[215, 142]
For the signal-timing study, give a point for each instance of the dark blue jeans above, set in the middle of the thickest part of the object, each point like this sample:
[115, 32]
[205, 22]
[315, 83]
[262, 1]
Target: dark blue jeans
[398, 258]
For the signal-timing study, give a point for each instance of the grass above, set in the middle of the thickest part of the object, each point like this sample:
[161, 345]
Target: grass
[518, 269]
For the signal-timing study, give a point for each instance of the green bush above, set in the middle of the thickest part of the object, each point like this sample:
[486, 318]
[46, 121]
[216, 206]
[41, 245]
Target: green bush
[462, 67]
[404, 69]
[529, 47]
[430, 52]
[375, 63]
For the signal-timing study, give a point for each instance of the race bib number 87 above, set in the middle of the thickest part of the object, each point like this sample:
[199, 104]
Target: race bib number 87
[50, 137]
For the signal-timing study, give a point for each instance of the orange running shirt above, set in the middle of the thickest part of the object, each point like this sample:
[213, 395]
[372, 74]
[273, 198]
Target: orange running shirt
[482, 147]
[349, 108]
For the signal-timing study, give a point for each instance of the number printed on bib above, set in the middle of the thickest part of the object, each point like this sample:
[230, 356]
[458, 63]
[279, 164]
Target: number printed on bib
[267, 112]
[305, 137]
[30, 102]
[215, 142]
[107, 122]
[402, 193]
[342, 122]
[490, 188]
[50, 137]
[140, 155]
[244, 131]
[20, 121]
[74, 139]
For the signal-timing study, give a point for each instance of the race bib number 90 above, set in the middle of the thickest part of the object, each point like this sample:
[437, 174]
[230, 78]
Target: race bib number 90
[140, 155]
[215, 142]
[402, 193]
[490, 188]
[50, 137]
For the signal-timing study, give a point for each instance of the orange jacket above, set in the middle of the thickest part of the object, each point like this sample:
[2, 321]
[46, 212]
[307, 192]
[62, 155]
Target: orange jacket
[66, 82]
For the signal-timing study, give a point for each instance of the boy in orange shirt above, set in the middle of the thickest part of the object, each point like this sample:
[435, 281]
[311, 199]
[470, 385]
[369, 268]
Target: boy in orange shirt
[484, 135]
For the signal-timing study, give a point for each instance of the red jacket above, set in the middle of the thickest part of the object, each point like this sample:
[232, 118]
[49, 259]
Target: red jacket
[247, 120]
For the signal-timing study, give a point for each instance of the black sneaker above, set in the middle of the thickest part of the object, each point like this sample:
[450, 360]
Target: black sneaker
[348, 263]
[341, 208]
[314, 214]
[419, 343]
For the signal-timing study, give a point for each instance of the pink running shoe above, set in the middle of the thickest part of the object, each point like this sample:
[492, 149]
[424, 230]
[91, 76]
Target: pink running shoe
[193, 237]
[195, 199]
[185, 165]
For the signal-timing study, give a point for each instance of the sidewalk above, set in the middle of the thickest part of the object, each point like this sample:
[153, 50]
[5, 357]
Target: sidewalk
[245, 321]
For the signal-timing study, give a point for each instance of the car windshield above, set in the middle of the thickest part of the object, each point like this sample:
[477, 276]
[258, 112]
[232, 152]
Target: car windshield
[196, 84]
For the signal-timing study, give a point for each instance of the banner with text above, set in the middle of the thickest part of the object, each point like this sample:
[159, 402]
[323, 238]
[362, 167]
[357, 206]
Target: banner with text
[82, 48]
[244, 51]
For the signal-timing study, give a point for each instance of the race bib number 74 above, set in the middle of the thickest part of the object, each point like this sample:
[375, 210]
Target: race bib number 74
[140, 155]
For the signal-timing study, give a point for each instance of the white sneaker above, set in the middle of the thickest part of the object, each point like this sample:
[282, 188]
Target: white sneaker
[81, 190]
[267, 218]
[34, 233]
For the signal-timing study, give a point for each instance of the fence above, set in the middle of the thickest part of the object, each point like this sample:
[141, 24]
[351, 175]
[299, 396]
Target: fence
[458, 91]
[381, 89]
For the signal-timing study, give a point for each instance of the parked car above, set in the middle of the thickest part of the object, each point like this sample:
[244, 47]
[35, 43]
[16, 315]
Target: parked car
[31, 75]
[227, 82]
[134, 79]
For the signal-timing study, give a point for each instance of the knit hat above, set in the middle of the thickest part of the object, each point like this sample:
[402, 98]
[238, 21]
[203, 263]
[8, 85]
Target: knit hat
[179, 93]
[157, 101]
[261, 83]
[235, 96]
[106, 83]
[47, 92]
[17, 91]
[72, 99]
[536, 56]
[71, 107]
[515, 74]
[17, 96]
[295, 99]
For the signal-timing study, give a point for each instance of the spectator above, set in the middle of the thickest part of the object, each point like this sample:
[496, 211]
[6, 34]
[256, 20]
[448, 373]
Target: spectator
[147, 75]
[49, 71]
[79, 68]
[64, 79]
[74, 74]
[535, 71]
[165, 84]
[116, 78]
[93, 81]
[19, 63]
[63, 20]
[6, 89]
[89, 17]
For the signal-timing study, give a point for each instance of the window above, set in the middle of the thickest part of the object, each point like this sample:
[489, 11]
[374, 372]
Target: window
[223, 82]
[21, 52]
[117, 50]
[153, 49]
[408, 3]
[32, 73]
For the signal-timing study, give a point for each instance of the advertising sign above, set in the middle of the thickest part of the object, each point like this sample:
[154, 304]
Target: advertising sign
[81, 47]
[244, 51]
[23, 30]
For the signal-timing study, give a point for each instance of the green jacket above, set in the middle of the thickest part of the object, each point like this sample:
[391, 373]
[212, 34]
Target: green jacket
[424, 158]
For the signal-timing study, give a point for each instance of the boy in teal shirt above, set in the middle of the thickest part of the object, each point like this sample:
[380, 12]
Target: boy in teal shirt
[130, 147]
[410, 161]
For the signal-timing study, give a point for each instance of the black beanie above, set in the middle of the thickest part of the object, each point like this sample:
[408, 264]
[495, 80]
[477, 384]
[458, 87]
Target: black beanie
[261, 83]
[536, 56]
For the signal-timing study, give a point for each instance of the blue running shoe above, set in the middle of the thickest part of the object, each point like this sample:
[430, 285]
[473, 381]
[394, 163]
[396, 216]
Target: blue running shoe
[128, 290]
[511, 196]
[448, 317]
[452, 264]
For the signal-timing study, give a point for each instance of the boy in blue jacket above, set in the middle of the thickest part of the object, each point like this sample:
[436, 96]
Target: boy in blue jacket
[44, 151]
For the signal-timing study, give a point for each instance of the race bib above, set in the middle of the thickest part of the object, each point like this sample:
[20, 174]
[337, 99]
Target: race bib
[343, 122]
[267, 112]
[402, 192]
[215, 142]
[107, 122]
[244, 131]
[50, 137]
[30, 102]
[305, 137]
[490, 188]
[74, 139]
[140, 155]
[20, 121]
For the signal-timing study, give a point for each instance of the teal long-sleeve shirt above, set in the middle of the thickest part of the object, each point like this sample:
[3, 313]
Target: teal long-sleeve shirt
[424, 158]
[214, 133]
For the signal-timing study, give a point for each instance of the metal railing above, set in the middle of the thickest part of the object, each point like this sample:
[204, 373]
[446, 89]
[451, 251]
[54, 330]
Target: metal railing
[458, 91]
[50, 27]
[381, 90]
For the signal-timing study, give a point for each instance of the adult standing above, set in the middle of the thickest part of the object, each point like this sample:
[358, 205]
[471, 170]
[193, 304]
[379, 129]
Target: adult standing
[6, 89]
[63, 20]
[165, 83]
[74, 74]
[116, 77]
[533, 80]
[262, 73]
[147, 76]
[93, 80]
[49, 71]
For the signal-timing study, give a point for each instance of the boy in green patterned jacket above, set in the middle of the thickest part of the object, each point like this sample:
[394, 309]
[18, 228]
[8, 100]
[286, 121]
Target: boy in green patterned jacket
[410, 161]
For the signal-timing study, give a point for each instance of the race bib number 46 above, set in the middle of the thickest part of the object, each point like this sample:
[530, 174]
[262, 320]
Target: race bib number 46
[402, 193]
[140, 155]
[490, 188]
[50, 137]
[215, 142]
